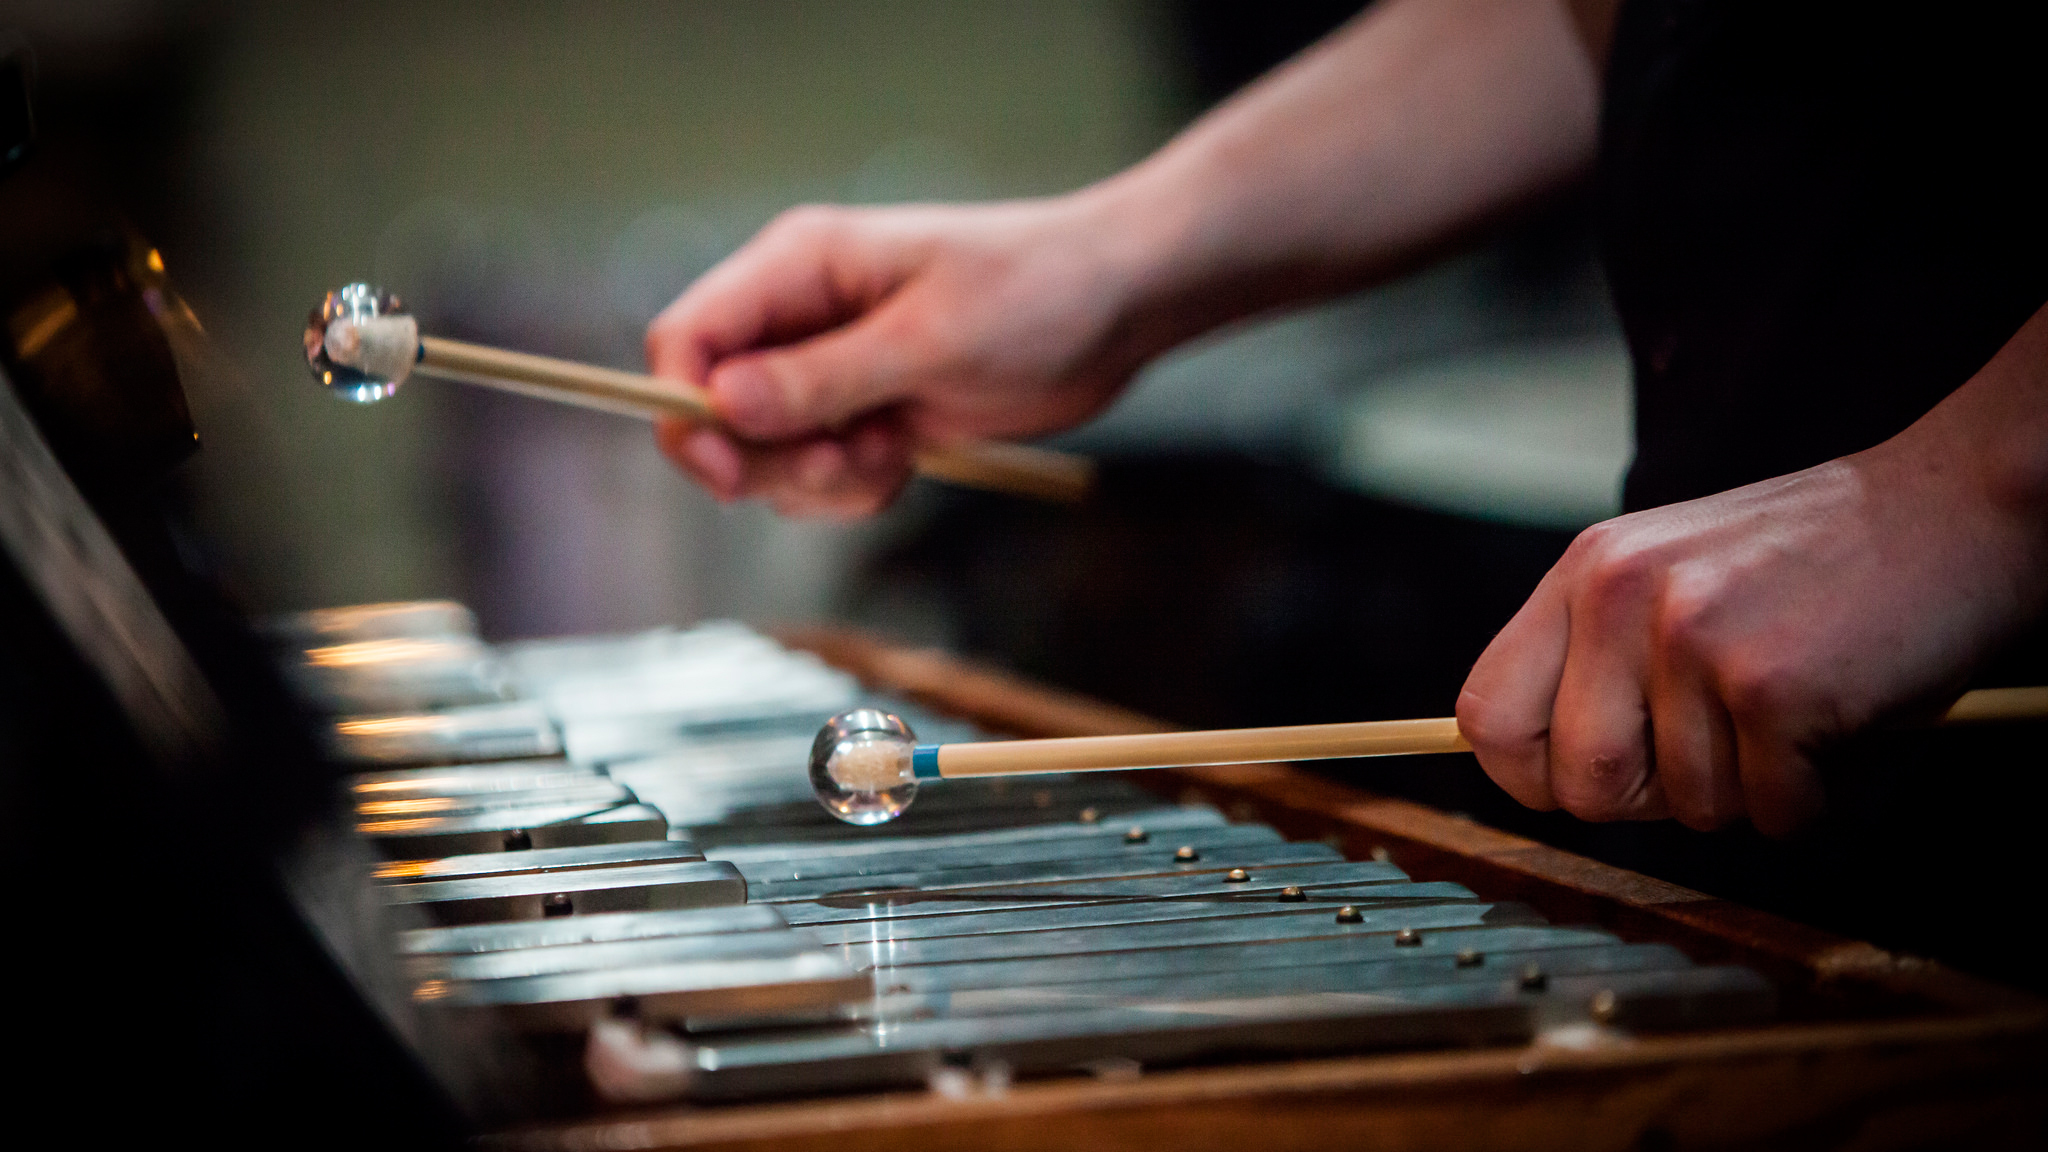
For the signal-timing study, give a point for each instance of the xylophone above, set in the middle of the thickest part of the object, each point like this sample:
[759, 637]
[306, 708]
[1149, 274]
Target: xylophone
[614, 839]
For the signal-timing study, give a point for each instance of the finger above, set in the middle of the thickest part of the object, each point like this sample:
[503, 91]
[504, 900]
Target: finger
[818, 384]
[803, 274]
[1780, 787]
[836, 477]
[1693, 740]
[1599, 728]
[1504, 710]
[1600, 766]
[705, 455]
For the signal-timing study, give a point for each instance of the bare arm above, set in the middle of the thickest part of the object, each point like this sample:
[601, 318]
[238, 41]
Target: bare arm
[839, 338]
[1364, 156]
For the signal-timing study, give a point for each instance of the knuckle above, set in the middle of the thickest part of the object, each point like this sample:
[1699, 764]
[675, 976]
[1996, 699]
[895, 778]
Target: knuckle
[1599, 783]
[1616, 573]
[1754, 686]
[803, 220]
[1684, 617]
[1616, 577]
[1594, 541]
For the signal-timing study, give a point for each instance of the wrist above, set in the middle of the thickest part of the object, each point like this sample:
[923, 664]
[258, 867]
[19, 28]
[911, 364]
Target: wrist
[1997, 423]
[1140, 233]
[1978, 462]
[1188, 255]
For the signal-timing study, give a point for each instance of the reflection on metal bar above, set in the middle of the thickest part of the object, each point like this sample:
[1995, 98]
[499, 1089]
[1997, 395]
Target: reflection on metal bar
[1303, 976]
[539, 860]
[968, 881]
[540, 895]
[1466, 947]
[413, 838]
[754, 987]
[1073, 842]
[572, 930]
[1268, 882]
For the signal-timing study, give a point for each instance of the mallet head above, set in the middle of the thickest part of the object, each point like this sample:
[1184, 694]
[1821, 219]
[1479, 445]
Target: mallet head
[860, 766]
[361, 343]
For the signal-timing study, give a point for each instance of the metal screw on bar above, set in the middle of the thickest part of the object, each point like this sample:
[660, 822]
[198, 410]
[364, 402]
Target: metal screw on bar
[1136, 836]
[1380, 855]
[1534, 979]
[1186, 855]
[1349, 915]
[1606, 1006]
[1293, 895]
[1090, 815]
[1470, 958]
[1236, 876]
[558, 904]
[1408, 938]
[518, 840]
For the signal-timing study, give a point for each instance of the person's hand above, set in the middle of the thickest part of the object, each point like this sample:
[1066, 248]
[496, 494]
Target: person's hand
[1688, 661]
[839, 339]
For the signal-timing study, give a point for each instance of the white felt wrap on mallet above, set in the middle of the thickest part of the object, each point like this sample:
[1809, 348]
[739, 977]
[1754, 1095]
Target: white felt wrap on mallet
[383, 347]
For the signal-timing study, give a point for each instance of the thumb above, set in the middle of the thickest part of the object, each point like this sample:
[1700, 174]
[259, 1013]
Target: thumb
[816, 385]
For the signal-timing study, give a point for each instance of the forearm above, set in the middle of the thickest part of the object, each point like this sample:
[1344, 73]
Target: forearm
[1987, 442]
[1408, 128]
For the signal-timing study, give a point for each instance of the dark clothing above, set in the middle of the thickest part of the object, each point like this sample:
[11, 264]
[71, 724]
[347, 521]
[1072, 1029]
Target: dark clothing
[1817, 220]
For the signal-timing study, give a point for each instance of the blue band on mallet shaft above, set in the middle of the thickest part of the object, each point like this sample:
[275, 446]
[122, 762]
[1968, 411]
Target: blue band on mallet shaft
[924, 761]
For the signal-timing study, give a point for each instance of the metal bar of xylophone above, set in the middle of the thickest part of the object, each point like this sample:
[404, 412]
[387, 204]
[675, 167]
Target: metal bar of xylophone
[614, 838]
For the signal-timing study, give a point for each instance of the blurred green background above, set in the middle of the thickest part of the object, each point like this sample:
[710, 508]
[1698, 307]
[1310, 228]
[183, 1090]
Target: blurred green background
[547, 175]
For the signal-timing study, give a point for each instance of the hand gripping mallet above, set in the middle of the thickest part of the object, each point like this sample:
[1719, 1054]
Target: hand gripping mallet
[866, 764]
[362, 344]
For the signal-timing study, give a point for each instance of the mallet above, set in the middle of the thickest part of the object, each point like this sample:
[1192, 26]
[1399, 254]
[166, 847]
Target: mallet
[362, 344]
[866, 764]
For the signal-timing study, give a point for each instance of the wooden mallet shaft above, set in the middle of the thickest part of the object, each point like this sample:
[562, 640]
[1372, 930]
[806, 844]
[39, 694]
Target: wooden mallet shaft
[1015, 468]
[1303, 742]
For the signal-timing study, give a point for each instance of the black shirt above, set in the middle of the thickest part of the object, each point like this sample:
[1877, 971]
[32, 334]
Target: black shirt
[1817, 221]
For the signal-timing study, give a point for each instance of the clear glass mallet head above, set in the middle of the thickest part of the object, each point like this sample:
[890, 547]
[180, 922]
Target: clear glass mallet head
[861, 766]
[361, 343]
